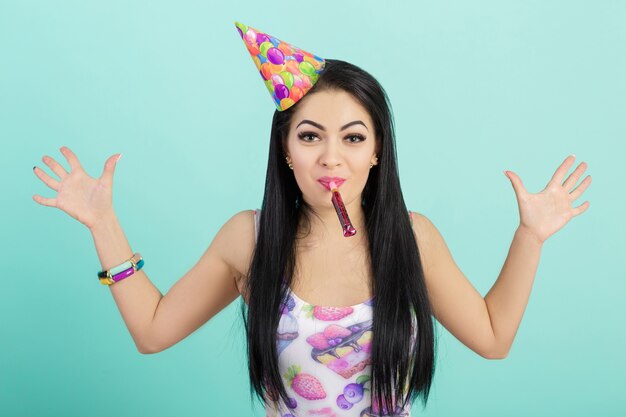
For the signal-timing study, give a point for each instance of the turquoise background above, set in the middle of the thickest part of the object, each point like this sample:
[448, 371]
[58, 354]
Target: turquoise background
[477, 87]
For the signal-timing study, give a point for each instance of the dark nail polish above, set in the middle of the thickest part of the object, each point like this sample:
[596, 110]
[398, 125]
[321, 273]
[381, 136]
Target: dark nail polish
[34, 167]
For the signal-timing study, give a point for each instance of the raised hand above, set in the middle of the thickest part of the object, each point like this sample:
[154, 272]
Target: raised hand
[544, 213]
[86, 199]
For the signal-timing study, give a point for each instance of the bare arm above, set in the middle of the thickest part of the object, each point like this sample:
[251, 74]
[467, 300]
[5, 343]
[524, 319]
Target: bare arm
[89, 200]
[136, 297]
[157, 322]
[508, 297]
[486, 325]
[456, 304]
[489, 325]
[208, 287]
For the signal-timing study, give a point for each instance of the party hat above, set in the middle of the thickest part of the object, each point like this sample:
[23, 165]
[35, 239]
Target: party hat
[287, 71]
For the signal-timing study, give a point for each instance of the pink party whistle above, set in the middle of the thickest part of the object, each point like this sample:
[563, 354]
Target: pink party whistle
[346, 225]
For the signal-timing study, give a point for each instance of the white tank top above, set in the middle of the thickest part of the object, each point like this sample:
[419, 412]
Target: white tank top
[324, 359]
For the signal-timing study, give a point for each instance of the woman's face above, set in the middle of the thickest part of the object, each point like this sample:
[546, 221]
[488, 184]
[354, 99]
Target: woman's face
[331, 135]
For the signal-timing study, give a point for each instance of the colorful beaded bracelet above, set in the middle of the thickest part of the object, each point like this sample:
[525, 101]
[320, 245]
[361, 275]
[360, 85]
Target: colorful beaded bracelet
[121, 271]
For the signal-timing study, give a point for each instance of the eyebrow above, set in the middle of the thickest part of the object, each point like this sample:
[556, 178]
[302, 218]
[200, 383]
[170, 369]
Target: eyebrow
[344, 127]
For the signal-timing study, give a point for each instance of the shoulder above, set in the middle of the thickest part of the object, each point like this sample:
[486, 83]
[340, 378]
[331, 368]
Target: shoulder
[235, 241]
[239, 226]
[421, 224]
[242, 221]
[429, 240]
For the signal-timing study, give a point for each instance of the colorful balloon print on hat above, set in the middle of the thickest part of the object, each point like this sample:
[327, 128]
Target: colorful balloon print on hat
[287, 71]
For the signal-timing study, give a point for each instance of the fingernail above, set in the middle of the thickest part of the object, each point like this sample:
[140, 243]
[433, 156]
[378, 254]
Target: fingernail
[118, 158]
[34, 167]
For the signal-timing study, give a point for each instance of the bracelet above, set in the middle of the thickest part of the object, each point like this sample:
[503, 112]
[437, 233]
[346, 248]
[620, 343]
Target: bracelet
[121, 271]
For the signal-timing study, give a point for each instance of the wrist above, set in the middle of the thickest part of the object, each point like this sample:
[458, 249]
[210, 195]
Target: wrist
[104, 223]
[527, 234]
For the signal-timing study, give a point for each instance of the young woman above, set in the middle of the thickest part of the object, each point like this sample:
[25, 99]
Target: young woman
[334, 325]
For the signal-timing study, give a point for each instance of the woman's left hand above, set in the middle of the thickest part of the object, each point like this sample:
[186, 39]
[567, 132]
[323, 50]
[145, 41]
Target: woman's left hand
[544, 213]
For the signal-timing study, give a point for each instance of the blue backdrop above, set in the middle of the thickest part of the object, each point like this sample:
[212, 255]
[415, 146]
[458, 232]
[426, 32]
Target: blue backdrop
[476, 87]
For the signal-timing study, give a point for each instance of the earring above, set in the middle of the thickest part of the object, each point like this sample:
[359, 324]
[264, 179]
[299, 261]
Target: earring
[288, 162]
[375, 162]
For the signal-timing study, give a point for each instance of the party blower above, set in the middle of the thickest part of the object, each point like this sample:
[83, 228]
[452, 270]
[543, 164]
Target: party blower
[346, 225]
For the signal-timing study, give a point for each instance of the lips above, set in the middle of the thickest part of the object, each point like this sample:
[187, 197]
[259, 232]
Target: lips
[325, 181]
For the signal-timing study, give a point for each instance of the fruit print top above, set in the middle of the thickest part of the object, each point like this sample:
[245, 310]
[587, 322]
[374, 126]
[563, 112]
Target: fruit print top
[324, 359]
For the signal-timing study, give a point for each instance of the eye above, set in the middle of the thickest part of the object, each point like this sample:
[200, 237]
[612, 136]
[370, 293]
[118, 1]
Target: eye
[359, 138]
[304, 135]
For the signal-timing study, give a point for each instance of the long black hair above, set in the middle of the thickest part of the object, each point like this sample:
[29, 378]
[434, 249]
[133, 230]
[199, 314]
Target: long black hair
[403, 345]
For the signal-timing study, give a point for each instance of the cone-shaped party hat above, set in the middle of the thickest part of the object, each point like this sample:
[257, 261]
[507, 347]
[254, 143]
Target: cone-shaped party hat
[288, 71]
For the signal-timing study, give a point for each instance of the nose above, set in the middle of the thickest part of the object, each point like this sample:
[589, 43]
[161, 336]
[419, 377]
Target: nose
[331, 154]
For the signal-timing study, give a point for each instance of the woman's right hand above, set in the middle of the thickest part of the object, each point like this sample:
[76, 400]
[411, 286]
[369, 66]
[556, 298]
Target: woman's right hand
[86, 199]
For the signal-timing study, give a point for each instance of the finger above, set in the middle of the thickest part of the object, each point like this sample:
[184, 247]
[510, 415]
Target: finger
[574, 176]
[581, 188]
[71, 158]
[54, 166]
[109, 169]
[559, 174]
[47, 179]
[517, 183]
[581, 209]
[50, 202]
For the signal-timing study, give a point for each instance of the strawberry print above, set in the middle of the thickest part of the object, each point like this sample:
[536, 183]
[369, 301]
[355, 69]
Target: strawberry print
[327, 313]
[318, 341]
[334, 330]
[305, 385]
